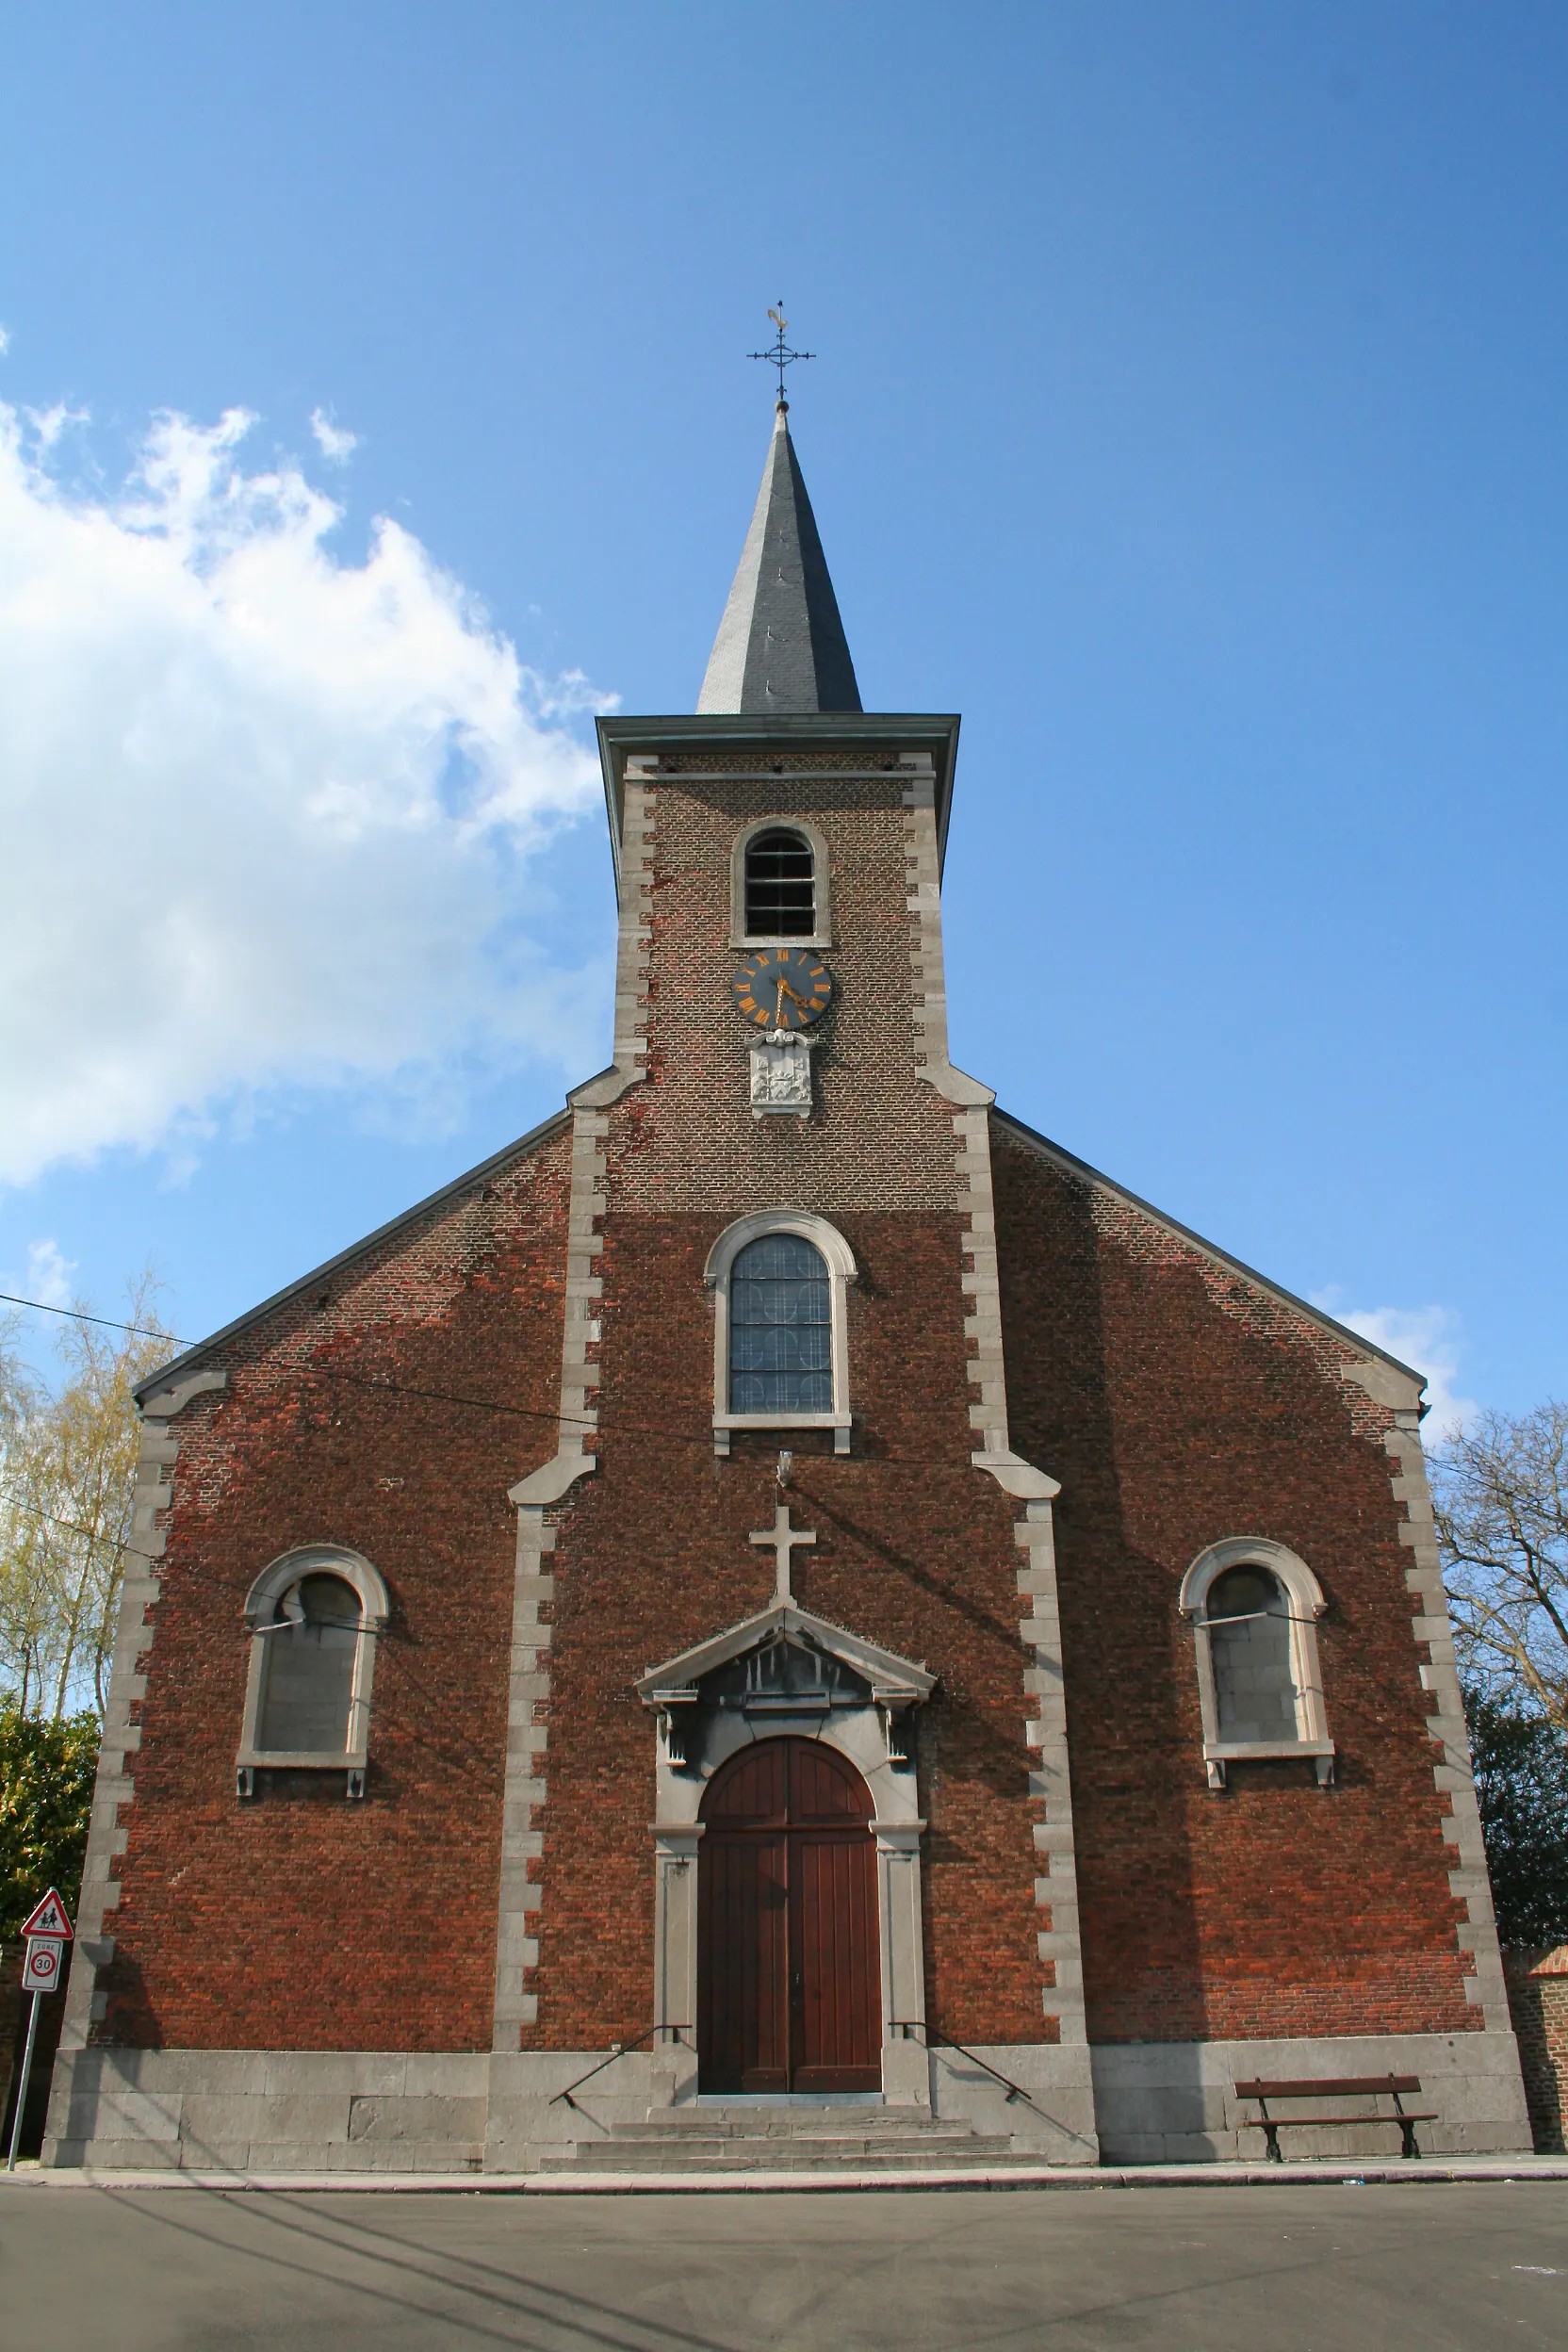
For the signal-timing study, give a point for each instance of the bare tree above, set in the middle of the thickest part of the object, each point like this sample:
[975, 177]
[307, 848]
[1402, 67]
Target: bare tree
[1500, 1494]
[67, 1462]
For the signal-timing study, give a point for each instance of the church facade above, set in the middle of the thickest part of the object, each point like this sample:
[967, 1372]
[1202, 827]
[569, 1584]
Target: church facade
[782, 1588]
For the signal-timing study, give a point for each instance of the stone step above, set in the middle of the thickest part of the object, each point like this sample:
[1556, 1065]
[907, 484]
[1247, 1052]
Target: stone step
[784, 2123]
[959, 2152]
[718, 2141]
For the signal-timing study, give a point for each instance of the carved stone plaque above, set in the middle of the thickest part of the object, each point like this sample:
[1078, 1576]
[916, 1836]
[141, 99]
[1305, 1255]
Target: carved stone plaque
[781, 1075]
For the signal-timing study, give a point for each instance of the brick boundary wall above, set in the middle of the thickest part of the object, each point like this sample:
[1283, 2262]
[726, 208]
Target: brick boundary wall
[1537, 1984]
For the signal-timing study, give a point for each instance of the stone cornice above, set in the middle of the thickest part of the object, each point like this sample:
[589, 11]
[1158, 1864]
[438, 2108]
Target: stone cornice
[621, 739]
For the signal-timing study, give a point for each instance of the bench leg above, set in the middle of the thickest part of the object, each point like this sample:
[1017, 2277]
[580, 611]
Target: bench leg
[1407, 2138]
[1271, 2133]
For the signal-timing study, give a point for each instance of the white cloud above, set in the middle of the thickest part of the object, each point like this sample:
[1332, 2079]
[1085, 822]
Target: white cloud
[1429, 1339]
[332, 440]
[48, 424]
[48, 1276]
[5, 342]
[265, 811]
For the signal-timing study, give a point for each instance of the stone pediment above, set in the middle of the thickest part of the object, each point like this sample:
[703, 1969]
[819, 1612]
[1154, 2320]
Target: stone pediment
[888, 1679]
[785, 1664]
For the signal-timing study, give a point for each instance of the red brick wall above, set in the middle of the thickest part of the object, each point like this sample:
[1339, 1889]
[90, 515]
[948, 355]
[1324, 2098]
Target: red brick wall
[1178, 1404]
[916, 1548]
[302, 1921]
[914, 1551]
[1538, 2005]
[879, 1138]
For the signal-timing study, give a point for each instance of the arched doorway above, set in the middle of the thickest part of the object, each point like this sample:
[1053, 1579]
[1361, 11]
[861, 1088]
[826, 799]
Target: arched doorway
[789, 1984]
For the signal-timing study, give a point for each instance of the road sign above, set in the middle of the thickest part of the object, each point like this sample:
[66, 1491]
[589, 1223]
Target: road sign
[48, 1932]
[49, 1918]
[42, 1969]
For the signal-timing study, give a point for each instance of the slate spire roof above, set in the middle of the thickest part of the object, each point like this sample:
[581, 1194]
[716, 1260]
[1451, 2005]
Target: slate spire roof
[781, 644]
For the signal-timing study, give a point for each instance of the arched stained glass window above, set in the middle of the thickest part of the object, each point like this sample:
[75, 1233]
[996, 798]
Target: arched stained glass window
[314, 1616]
[1248, 1618]
[1255, 1607]
[309, 1685]
[780, 886]
[780, 1328]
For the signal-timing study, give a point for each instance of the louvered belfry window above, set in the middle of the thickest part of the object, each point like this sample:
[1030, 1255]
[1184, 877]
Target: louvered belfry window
[780, 1328]
[780, 886]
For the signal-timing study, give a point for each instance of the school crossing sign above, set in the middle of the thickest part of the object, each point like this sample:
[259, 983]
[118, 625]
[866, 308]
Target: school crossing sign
[48, 1932]
[49, 1919]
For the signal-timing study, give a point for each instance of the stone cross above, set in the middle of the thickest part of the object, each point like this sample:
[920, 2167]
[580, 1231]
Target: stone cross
[783, 1539]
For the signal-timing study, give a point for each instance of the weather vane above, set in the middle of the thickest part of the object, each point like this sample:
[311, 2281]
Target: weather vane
[779, 355]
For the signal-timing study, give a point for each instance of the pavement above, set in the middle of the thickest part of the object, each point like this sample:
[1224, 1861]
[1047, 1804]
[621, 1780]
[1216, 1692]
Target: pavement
[817, 2181]
[1338, 2263]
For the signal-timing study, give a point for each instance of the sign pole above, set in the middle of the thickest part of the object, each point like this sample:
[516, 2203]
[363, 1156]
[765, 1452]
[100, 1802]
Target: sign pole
[48, 1932]
[21, 2087]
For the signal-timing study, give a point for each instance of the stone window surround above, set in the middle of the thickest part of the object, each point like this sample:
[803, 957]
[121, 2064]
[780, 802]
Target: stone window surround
[822, 904]
[1307, 1604]
[353, 1569]
[842, 1270]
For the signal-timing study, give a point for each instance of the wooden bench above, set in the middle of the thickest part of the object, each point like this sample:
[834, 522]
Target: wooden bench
[1394, 2086]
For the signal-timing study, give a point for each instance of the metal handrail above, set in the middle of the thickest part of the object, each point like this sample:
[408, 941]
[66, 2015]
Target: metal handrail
[618, 2050]
[1014, 2090]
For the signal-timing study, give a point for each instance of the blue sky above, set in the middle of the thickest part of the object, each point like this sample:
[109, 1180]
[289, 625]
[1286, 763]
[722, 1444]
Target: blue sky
[1188, 413]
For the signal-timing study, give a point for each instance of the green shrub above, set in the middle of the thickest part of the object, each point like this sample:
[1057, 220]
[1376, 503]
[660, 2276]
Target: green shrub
[1522, 1782]
[46, 1773]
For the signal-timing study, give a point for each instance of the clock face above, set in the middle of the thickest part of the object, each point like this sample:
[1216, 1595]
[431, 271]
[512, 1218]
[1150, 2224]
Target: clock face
[783, 988]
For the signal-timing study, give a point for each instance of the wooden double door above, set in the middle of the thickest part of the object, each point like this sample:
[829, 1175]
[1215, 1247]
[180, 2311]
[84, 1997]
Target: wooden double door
[788, 1980]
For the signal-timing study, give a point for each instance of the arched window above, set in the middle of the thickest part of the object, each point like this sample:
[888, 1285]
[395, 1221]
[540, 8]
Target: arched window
[308, 1678]
[781, 901]
[1248, 1625]
[779, 884]
[781, 1351]
[1254, 1607]
[780, 1328]
[314, 1617]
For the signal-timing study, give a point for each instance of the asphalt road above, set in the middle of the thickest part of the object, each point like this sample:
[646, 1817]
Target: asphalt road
[1319, 2269]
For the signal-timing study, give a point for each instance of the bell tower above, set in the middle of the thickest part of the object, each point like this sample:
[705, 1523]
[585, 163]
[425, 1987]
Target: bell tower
[778, 866]
[780, 1008]
[742, 1282]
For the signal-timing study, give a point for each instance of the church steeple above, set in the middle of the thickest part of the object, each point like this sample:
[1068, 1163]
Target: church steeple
[781, 645]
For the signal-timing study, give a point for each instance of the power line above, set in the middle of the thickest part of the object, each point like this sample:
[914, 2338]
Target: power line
[53, 1520]
[108, 1322]
[404, 1388]
[524, 1412]
[393, 1388]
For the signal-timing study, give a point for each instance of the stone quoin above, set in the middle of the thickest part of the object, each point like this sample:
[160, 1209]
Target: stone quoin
[1084, 1579]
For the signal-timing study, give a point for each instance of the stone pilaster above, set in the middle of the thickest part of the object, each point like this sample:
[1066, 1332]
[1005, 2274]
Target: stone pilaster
[1055, 1887]
[114, 1787]
[517, 1940]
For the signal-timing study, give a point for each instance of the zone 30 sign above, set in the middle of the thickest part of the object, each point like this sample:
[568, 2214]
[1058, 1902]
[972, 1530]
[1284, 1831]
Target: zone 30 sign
[42, 1969]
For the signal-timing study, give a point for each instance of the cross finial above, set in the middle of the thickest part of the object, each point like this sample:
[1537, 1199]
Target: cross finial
[782, 1539]
[779, 355]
